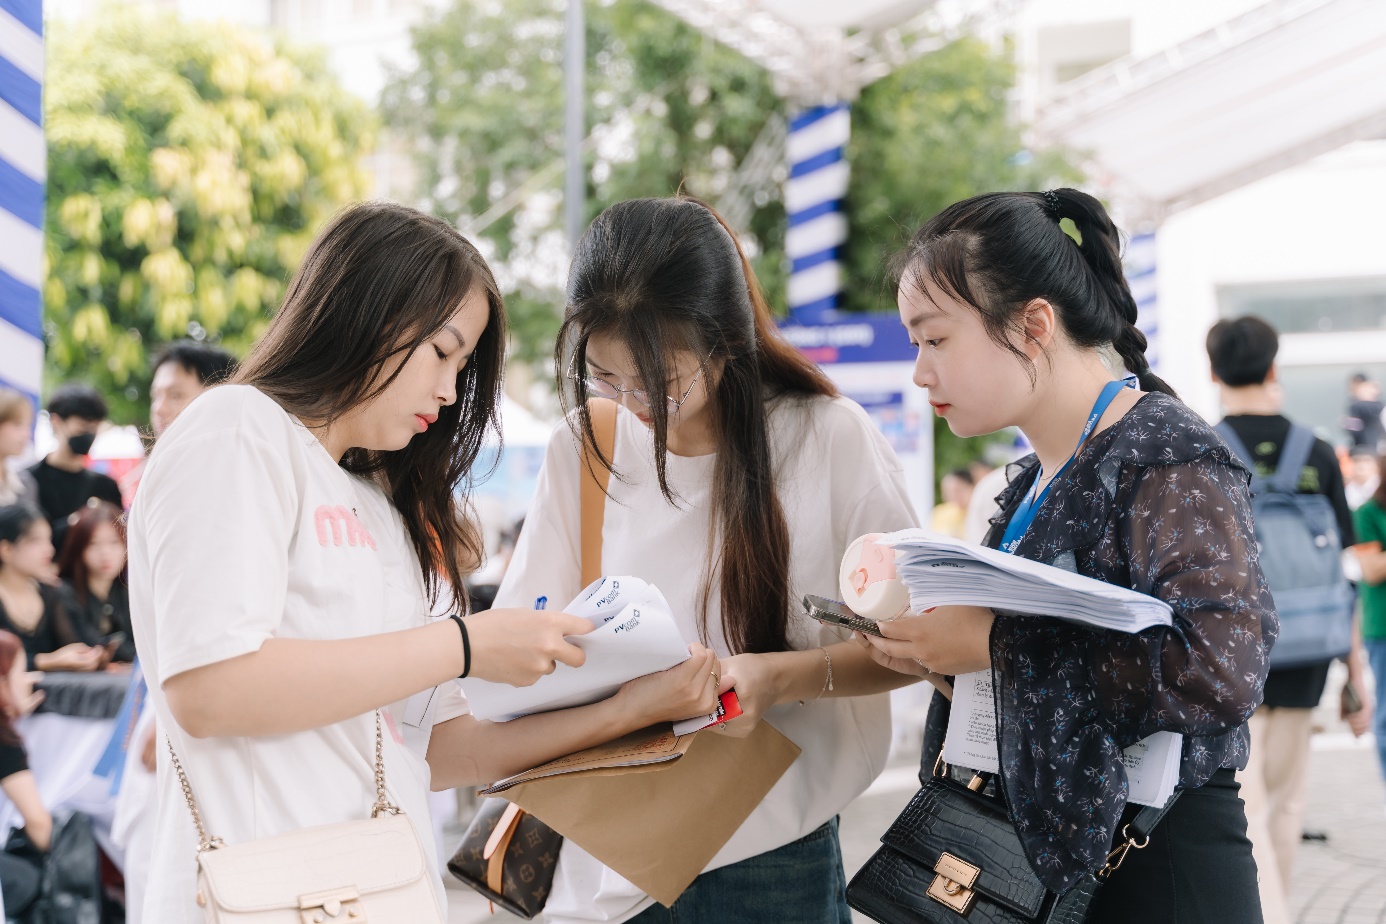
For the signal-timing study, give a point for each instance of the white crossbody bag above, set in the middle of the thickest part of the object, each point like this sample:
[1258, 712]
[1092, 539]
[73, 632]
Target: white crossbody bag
[355, 872]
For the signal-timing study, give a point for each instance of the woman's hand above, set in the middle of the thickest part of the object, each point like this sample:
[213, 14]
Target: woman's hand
[947, 640]
[74, 657]
[907, 666]
[520, 646]
[757, 688]
[26, 698]
[682, 692]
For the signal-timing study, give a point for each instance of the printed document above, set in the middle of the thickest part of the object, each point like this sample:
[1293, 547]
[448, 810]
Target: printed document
[635, 635]
[1152, 765]
[943, 571]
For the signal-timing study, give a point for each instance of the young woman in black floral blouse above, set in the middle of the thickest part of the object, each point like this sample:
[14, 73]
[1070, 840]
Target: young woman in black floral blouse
[1019, 309]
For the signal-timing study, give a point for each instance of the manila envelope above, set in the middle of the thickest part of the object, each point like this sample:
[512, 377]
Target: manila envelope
[660, 824]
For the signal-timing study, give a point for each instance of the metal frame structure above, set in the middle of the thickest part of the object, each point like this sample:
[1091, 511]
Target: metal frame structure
[1265, 91]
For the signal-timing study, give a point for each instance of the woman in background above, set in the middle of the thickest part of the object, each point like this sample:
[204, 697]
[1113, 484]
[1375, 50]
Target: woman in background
[92, 568]
[30, 606]
[1370, 520]
[17, 486]
[21, 863]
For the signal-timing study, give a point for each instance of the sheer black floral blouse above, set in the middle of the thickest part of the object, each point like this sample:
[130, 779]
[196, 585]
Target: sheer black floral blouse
[1157, 504]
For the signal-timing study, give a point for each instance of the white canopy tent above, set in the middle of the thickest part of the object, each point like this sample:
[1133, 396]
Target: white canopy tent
[1269, 89]
[1265, 91]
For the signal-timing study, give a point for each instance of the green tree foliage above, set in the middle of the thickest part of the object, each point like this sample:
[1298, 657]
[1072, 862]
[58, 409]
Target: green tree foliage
[931, 133]
[667, 108]
[670, 107]
[189, 166]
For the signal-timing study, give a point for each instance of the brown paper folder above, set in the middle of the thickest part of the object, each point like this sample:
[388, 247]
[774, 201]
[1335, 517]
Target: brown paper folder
[660, 820]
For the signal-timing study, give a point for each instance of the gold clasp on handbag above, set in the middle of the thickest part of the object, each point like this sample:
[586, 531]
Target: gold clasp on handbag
[1119, 854]
[338, 906]
[953, 881]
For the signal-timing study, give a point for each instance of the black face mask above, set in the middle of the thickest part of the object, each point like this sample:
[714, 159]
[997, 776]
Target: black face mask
[81, 443]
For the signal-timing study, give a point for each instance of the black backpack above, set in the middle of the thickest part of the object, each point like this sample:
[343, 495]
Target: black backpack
[1301, 556]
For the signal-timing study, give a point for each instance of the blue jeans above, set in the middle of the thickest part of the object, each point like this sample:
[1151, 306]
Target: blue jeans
[802, 882]
[1376, 656]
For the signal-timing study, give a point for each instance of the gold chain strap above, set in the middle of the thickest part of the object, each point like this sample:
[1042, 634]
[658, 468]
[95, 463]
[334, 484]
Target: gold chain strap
[382, 801]
[204, 842]
[382, 804]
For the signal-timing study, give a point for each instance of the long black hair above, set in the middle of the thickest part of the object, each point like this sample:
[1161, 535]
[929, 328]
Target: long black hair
[999, 251]
[376, 284]
[663, 276]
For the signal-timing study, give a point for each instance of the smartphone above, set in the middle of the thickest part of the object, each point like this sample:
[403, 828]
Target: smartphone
[835, 613]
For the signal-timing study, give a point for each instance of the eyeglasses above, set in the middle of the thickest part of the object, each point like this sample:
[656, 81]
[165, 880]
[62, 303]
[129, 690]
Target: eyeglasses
[604, 389]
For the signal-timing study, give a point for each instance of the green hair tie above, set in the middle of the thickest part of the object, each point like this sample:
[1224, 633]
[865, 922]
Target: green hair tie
[1067, 226]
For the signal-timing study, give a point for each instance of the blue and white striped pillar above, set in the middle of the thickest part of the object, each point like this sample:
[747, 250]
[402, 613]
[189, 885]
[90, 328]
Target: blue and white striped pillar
[23, 169]
[817, 153]
[1139, 265]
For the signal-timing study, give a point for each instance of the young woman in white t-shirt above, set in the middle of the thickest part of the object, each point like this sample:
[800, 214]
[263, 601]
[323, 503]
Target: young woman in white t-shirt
[739, 477]
[289, 534]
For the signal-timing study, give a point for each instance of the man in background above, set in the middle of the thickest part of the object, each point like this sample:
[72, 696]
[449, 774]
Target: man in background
[1274, 784]
[65, 484]
[182, 370]
[1364, 423]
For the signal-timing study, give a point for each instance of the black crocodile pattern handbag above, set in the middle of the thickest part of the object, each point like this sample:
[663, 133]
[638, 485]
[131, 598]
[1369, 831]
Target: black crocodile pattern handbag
[953, 856]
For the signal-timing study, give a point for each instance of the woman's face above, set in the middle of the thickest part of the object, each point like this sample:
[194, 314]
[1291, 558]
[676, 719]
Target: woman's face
[105, 554]
[31, 555]
[14, 434]
[610, 361]
[427, 381]
[974, 383]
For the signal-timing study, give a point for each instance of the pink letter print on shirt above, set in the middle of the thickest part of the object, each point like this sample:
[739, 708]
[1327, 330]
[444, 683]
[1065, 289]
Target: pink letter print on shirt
[344, 525]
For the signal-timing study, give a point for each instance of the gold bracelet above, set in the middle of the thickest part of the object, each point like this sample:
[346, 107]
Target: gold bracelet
[827, 681]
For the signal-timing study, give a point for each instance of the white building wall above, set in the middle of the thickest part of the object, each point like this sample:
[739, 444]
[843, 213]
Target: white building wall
[1319, 221]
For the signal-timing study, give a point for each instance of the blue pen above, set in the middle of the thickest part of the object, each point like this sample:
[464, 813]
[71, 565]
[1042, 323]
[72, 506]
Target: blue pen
[540, 603]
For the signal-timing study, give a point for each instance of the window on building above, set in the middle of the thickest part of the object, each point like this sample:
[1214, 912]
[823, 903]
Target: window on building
[1313, 307]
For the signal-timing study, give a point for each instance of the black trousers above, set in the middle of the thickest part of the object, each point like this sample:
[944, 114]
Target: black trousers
[1197, 868]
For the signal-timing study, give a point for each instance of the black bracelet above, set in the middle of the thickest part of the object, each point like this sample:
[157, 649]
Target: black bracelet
[466, 647]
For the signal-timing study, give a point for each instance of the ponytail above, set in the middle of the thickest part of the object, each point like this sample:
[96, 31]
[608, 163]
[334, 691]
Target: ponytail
[999, 251]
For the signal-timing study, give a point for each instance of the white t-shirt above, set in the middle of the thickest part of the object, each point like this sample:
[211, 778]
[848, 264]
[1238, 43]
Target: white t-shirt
[245, 529]
[837, 478]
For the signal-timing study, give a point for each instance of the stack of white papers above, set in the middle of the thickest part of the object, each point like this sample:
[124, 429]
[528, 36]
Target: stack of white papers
[942, 571]
[635, 635]
[1152, 765]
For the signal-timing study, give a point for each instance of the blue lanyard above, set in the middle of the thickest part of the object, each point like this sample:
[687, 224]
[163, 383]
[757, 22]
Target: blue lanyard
[1025, 514]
